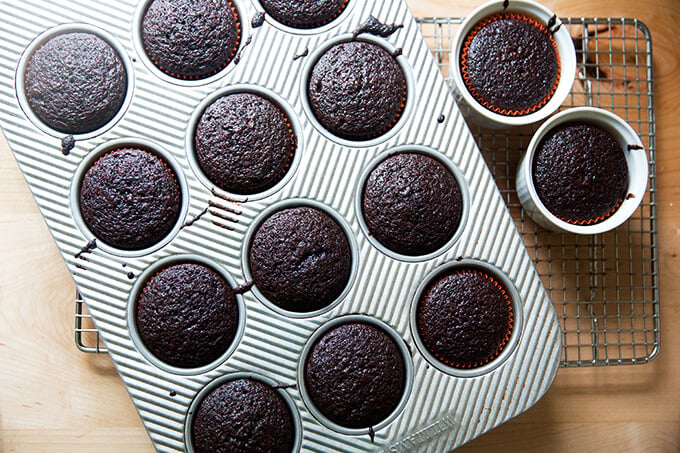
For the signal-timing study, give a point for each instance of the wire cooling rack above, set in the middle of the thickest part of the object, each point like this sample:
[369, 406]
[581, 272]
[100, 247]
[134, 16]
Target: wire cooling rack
[605, 288]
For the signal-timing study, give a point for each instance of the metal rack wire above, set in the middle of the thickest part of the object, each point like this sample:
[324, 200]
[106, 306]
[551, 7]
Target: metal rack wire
[605, 288]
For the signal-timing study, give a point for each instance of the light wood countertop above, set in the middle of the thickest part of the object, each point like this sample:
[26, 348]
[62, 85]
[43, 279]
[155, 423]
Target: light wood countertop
[55, 398]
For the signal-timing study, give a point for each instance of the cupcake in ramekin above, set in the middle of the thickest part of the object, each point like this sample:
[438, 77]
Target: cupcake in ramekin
[513, 64]
[585, 172]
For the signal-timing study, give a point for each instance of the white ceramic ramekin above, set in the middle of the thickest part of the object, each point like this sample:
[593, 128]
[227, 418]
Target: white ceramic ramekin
[636, 157]
[475, 111]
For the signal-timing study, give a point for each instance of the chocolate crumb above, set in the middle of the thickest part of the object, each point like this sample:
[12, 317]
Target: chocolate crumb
[237, 58]
[173, 393]
[258, 19]
[284, 386]
[301, 55]
[67, 144]
[441, 118]
[244, 288]
[87, 249]
[195, 219]
[398, 52]
[130, 275]
[632, 147]
[371, 434]
[506, 3]
[630, 196]
[373, 26]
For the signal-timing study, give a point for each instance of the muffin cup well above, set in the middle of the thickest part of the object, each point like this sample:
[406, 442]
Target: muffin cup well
[517, 318]
[136, 291]
[636, 158]
[470, 107]
[243, 24]
[429, 152]
[205, 391]
[96, 154]
[41, 39]
[325, 328]
[275, 99]
[296, 203]
[405, 111]
[321, 28]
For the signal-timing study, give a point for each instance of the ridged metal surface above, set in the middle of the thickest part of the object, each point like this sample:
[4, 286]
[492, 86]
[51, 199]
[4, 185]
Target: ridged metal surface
[443, 411]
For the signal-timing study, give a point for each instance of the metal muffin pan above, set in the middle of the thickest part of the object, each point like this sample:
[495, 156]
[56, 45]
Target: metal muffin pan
[443, 410]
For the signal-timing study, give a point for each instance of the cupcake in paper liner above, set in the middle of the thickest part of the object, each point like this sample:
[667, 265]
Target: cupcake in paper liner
[511, 64]
[465, 317]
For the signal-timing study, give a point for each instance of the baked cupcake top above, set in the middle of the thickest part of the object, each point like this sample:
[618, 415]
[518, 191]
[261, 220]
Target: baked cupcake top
[243, 415]
[464, 318]
[300, 259]
[244, 143]
[191, 39]
[357, 90]
[130, 199]
[75, 83]
[580, 173]
[304, 13]
[412, 204]
[355, 375]
[510, 64]
[187, 315]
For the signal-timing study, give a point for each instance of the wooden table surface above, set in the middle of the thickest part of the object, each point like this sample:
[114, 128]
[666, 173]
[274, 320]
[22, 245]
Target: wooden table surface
[55, 398]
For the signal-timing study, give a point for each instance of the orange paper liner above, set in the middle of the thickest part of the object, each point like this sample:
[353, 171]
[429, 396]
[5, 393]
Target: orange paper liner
[594, 220]
[473, 90]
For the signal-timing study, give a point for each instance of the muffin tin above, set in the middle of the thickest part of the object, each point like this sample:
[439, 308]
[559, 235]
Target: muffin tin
[441, 410]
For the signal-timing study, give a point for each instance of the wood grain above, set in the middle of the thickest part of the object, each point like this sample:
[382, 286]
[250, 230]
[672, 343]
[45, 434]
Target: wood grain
[55, 398]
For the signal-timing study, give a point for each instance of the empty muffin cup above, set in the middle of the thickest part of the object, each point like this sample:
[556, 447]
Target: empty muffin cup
[513, 63]
[585, 172]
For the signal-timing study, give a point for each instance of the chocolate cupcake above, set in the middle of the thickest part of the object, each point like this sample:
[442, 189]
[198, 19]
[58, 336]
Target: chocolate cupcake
[187, 315]
[357, 90]
[412, 204]
[244, 143]
[300, 259]
[130, 199]
[465, 317]
[243, 415]
[304, 13]
[75, 82]
[355, 375]
[580, 173]
[191, 39]
[510, 64]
